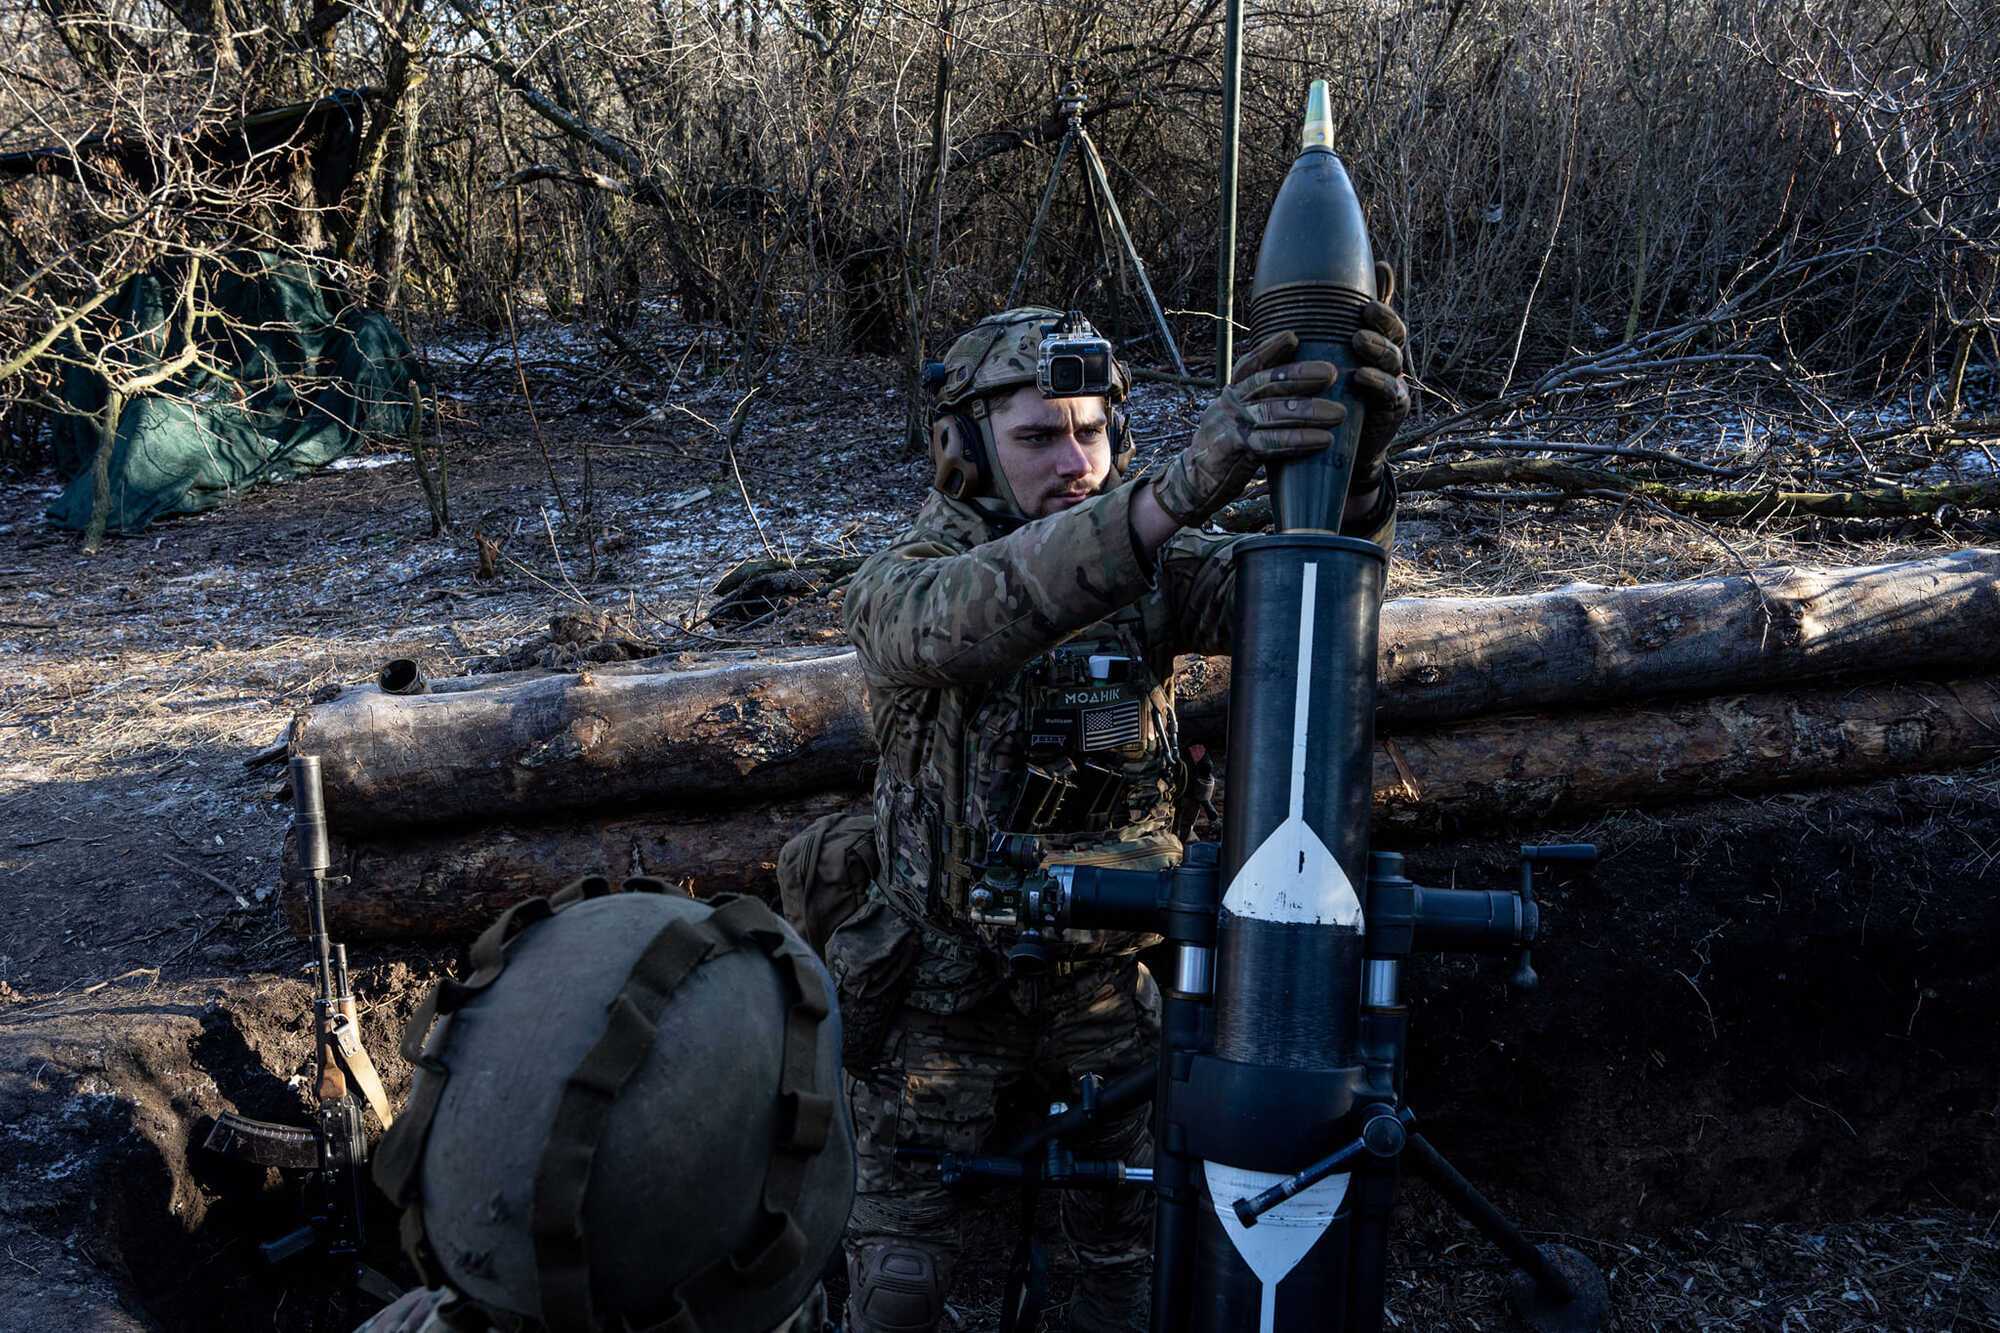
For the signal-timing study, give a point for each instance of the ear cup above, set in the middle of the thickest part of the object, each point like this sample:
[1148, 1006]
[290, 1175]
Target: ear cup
[1122, 444]
[959, 466]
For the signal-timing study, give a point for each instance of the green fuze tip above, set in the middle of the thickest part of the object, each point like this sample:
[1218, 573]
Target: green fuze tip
[1319, 118]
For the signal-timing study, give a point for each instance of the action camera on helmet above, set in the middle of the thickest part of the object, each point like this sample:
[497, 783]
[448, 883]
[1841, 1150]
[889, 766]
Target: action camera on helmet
[1075, 360]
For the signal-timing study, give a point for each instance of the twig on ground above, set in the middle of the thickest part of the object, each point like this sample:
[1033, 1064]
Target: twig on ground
[528, 401]
[271, 753]
[560, 592]
[555, 550]
[152, 972]
[737, 417]
[197, 870]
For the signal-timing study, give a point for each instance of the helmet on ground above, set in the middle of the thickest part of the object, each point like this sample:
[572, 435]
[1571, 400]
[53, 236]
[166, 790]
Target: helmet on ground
[996, 356]
[628, 1114]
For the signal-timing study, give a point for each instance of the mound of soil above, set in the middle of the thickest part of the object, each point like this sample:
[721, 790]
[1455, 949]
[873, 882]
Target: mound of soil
[106, 1097]
[1749, 1013]
[1762, 1011]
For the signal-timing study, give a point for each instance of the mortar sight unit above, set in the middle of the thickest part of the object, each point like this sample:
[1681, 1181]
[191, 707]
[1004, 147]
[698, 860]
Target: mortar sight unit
[1280, 1125]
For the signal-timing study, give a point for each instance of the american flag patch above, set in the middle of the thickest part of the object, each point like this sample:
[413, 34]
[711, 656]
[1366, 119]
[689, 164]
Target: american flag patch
[1106, 728]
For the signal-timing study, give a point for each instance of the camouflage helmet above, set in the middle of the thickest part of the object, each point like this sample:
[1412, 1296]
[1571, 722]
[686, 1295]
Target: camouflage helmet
[990, 360]
[628, 1115]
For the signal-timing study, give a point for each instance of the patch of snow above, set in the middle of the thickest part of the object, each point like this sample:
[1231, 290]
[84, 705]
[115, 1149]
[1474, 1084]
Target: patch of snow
[353, 461]
[1963, 465]
[67, 1166]
[466, 350]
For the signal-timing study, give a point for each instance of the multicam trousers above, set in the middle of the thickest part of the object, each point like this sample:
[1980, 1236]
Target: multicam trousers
[423, 1310]
[936, 1083]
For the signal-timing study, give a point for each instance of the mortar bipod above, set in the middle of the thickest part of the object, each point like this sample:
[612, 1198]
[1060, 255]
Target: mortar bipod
[1556, 1289]
[1209, 1108]
[1041, 1159]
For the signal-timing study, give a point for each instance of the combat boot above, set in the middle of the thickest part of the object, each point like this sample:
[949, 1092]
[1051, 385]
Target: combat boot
[1112, 1300]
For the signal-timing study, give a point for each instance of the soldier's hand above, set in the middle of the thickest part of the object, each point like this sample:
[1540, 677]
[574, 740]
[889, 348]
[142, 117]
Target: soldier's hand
[1271, 411]
[1378, 381]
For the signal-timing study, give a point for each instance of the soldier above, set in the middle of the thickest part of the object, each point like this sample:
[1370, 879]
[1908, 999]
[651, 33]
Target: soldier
[628, 1117]
[1018, 643]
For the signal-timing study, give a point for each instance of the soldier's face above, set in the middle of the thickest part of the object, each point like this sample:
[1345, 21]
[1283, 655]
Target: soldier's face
[1056, 452]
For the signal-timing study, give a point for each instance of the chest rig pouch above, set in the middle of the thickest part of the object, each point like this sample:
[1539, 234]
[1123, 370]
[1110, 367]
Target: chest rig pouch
[1089, 720]
[1081, 760]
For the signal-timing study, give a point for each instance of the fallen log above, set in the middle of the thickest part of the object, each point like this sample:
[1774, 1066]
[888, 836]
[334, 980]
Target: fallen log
[1442, 659]
[1525, 767]
[1757, 502]
[1518, 768]
[1566, 479]
[645, 734]
[595, 741]
[447, 885]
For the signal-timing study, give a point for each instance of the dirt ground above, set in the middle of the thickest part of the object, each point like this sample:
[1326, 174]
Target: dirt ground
[1761, 1085]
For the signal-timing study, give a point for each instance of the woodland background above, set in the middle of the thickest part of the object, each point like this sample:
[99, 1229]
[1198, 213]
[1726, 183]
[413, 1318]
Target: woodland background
[1711, 197]
[1696, 287]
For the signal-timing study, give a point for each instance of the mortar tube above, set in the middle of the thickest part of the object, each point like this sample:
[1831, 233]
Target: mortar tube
[1295, 848]
[1370, 1198]
[1290, 939]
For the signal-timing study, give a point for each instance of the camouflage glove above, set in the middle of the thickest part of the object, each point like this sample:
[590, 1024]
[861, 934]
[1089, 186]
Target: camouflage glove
[1378, 382]
[1270, 412]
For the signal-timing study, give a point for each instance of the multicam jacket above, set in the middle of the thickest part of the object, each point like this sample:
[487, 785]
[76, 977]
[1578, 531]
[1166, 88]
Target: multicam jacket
[956, 624]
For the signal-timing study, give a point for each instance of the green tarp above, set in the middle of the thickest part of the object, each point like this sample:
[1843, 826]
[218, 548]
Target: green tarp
[293, 374]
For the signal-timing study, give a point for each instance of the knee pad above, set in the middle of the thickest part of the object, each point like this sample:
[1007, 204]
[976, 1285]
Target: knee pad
[894, 1289]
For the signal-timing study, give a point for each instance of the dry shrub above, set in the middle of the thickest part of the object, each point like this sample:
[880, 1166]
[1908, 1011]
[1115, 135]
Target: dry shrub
[1549, 177]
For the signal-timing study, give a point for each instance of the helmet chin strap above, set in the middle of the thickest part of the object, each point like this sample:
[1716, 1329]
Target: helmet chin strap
[1001, 504]
[1003, 490]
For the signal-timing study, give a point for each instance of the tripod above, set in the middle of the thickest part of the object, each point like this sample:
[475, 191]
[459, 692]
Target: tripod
[1077, 138]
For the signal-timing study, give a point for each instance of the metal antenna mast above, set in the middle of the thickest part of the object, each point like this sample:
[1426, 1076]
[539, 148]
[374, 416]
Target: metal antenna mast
[1225, 260]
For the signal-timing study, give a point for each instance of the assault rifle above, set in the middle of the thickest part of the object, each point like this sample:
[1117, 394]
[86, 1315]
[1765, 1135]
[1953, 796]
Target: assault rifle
[334, 1149]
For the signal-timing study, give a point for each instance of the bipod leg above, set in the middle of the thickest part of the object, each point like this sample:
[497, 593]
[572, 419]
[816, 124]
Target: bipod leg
[1558, 1289]
[1102, 180]
[1028, 1276]
[1041, 215]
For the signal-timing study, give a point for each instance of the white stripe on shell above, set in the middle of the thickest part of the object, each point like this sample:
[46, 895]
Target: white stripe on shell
[1292, 878]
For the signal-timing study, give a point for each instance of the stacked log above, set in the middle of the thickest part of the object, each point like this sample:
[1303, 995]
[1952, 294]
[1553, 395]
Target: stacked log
[448, 805]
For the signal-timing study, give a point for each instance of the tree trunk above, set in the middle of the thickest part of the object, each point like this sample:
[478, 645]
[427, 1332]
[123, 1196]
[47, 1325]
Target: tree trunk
[643, 734]
[1522, 768]
[406, 78]
[100, 470]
